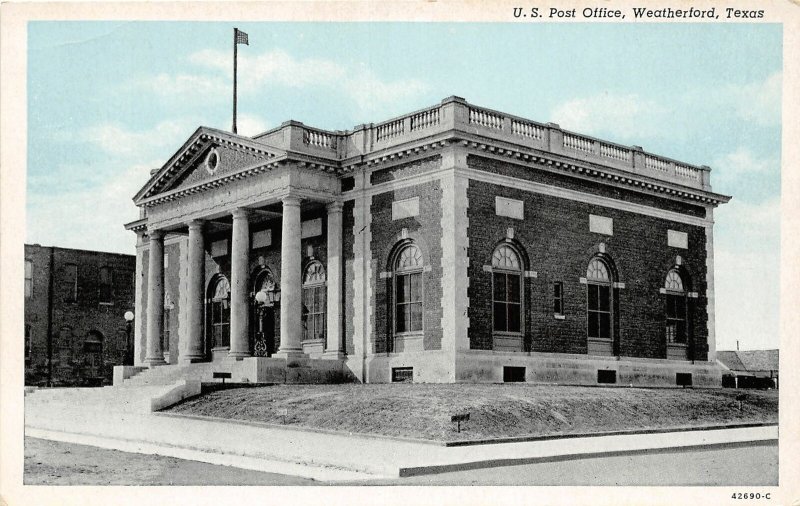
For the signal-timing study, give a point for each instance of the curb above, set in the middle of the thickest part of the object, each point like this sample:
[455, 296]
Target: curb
[632, 432]
[405, 472]
[471, 442]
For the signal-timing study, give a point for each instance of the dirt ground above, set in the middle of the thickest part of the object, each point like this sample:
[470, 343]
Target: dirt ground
[57, 463]
[424, 411]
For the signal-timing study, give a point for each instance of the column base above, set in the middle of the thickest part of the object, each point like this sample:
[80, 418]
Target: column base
[153, 362]
[238, 355]
[192, 359]
[291, 355]
[334, 355]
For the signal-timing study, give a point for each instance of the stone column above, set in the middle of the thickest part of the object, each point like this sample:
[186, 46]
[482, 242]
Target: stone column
[333, 342]
[195, 274]
[240, 306]
[155, 299]
[291, 290]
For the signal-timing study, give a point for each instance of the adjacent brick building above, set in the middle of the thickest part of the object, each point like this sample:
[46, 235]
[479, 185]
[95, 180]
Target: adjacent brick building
[75, 301]
[455, 243]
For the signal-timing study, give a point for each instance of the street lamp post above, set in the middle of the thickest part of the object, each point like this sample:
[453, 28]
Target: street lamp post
[265, 298]
[128, 348]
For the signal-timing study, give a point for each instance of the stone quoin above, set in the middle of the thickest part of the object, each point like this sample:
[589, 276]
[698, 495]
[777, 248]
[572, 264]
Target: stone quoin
[452, 244]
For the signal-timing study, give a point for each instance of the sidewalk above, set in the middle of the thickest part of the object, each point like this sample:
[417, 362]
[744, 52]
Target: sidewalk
[331, 457]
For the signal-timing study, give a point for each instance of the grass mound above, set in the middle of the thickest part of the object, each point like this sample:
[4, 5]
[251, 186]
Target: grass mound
[423, 411]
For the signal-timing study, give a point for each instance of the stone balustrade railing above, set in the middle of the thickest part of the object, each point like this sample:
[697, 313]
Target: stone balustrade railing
[456, 115]
[319, 139]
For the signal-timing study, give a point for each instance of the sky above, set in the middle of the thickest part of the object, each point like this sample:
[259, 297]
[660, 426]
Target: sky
[109, 101]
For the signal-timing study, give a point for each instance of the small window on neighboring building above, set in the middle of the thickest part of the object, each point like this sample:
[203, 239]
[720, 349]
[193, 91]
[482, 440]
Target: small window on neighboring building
[28, 279]
[28, 341]
[402, 374]
[314, 300]
[71, 282]
[106, 284]
[513, 374]
[558, 298]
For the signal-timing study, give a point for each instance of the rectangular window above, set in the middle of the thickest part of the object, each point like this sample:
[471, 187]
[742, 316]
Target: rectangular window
[106, 285]
[314, 312]
[28, 341]
[28, 279]
[558, 298]
[513, 374]
[507, 303]
[606, 376]
[676, 318]
[408, 297]
[599, 311]
[683, 379]
[402, 374]
[71, 282]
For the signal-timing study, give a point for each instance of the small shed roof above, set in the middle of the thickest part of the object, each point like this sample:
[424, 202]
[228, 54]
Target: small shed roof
[750, 360]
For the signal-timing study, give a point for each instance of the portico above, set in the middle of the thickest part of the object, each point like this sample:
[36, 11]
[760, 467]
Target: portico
[225, 239]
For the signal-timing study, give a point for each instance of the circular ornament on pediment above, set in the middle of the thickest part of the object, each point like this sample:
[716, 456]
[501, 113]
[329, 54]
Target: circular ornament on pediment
[212, 160]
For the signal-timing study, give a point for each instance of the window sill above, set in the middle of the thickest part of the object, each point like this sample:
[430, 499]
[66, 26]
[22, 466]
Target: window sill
[558, 316]
[600, 339]
[678, 345]
[418, 333]
[105, 303]
[506, 333]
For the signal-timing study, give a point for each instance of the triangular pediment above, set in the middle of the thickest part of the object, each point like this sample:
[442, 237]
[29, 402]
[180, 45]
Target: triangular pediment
[207, 155]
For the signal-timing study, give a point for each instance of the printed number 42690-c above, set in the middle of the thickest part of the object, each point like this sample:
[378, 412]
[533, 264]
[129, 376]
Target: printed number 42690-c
[750, 495]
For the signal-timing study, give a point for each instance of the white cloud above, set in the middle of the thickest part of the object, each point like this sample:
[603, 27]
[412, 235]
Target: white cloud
[185, 85]
[250, 124]
[623, 116]
[742, 161]
[96, 214]
[760, 101]
[117, 140]
[278, 67]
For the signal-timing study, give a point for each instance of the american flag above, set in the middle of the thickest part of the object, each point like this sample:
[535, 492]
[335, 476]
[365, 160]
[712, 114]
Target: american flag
[241, 37]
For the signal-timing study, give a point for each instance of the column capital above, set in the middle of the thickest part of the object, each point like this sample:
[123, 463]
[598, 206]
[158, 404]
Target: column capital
[335, 207]
[240, 213]
[196, 224]
[291, 200]
[155, 233]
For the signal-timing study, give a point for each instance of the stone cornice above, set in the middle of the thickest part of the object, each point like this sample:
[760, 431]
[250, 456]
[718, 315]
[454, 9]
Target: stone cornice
[454, 122]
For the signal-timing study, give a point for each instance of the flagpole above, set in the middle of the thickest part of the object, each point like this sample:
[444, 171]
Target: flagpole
[234, 78]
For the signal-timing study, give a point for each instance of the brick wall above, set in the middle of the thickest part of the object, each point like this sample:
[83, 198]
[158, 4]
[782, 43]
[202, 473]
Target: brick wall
[405, 170]
[555, 236]
[586, 186]
[427, 229]
[76, 320]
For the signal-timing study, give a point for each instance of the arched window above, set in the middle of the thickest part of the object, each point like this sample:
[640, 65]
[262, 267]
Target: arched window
[675, 310]
[408, 268]
[314, 301]
[506, 290]
[598, 304]
[220, 312]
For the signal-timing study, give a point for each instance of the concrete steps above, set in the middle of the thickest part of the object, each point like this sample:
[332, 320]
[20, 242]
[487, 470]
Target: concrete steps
[117, 399]
[169, 374]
